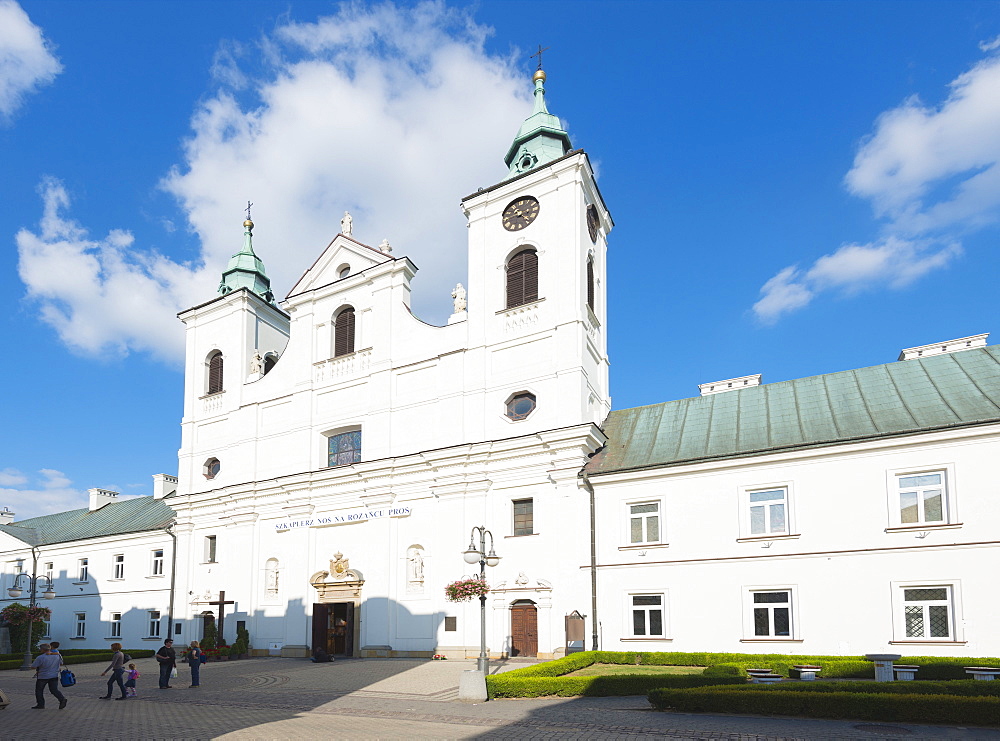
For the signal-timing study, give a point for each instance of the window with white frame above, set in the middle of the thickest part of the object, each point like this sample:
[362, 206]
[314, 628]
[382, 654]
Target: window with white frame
[115, 625]
[154, 624]
[83, 573]
[50, 570]
[119, 566]
[647, 615]
[210, 546]
[643, 523]
[157, 564]
[928, 612]
[922, 498]
[771, 613]
[81, 625]
[767, 511]
[46, 629]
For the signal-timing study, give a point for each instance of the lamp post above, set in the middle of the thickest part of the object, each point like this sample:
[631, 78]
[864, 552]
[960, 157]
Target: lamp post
[16, 590]
[471, 555]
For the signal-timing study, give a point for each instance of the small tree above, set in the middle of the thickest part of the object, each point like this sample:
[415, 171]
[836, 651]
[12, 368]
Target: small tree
[17, 617]
[211, 635]
[241, 646]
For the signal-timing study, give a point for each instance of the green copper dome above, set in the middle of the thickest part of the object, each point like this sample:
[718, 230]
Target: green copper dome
[246, 270]
[540, 139]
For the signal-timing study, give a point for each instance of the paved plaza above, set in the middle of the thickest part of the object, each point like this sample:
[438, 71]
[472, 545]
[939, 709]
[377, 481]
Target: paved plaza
[272, 698]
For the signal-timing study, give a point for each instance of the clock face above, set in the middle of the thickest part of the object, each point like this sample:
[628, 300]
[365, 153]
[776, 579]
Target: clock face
[593, 222]
[520, 213]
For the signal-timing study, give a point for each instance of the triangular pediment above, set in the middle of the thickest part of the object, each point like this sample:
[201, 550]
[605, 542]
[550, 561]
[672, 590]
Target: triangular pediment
[342, 251]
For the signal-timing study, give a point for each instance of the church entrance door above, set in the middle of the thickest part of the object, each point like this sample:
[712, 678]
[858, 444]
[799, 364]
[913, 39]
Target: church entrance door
[333, 627]
[524, 629]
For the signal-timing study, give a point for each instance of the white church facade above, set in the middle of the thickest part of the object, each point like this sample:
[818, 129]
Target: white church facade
[337, 453]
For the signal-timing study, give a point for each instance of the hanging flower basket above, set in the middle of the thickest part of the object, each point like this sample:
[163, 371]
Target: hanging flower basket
[18, 614]
[465, 589]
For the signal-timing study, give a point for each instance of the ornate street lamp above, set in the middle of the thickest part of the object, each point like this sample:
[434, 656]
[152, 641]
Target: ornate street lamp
[16, 590]
[471, 555]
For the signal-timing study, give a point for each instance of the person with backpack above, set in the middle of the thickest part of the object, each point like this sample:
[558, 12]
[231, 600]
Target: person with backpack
[133, 675]
[117, 669]
[46, 666]
[195, 660]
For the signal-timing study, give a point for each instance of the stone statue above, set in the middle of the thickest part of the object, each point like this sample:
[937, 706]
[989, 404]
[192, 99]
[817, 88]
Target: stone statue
[256, 363]
[416, 564]
[459, 295]
[385, 247]
[346, 224]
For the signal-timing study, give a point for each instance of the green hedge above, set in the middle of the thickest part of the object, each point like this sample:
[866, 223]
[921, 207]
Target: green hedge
[81, 656]
[505, 685]
[962, 687]
[900, 708]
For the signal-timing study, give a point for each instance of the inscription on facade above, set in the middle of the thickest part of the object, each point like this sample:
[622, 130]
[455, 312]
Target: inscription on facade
[361, 515]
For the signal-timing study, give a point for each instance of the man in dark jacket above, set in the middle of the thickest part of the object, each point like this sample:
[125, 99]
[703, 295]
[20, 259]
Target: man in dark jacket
[168, 660]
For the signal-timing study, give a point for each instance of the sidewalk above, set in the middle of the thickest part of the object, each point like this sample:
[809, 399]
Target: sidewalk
[380, 698]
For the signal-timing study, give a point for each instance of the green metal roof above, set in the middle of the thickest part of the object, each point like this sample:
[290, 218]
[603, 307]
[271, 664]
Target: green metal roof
[950, 390]
[541, 138]
[118, 518]
[246, 270]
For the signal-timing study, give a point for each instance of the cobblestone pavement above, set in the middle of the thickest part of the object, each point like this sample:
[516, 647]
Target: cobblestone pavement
[382, 698]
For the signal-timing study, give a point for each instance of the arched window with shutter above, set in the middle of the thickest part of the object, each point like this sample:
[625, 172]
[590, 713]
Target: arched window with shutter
[590, 283]
[522, 278]
[215, 373]
[343, 333]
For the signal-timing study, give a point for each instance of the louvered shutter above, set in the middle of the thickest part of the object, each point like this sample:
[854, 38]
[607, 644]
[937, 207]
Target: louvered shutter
[215, 374]
[343, 343]
[590, 284]
[522, 278]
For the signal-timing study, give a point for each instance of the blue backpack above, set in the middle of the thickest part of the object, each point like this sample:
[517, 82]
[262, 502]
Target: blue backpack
[67, 678]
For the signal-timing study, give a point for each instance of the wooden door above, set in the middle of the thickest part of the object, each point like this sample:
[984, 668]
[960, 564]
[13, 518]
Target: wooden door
[321, 619]
[524, 630]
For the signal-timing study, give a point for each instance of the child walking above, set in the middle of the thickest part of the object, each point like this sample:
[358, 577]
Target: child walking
[133, 674]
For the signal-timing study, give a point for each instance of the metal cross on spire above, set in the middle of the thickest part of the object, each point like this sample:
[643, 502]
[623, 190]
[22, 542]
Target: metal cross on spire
[248, 210]
[539, 55]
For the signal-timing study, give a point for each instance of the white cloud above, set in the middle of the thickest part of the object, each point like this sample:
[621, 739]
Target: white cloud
[52, 493]
[891, 262]
[26, 59]
[12, 477]
[391, 113]
[931, 173]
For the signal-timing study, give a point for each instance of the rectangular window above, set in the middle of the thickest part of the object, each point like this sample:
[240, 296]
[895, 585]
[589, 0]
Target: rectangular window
[50, 569]
[46, 629]
[344, 448]
[922, 498]
[84, 571]
[767, 511]
[119, 566]
[157, 569]
[524, 517]
[647, 615]
[644, 523]
[154, 624]
[116, 625]
[927, 612]
[771, 614]
[210, 549]
[81, 625]
[450, 623]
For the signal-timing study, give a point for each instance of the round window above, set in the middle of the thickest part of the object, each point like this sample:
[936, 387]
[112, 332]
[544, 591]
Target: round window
[520, 406]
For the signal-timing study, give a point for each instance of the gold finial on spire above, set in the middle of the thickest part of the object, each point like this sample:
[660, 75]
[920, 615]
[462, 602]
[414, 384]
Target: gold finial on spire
[248, 224]
[539, 74]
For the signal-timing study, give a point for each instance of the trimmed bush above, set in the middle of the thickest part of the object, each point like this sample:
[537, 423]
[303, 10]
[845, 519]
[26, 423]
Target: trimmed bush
[505, 685]
[904, 708]
[725, 670]
[962, 687]
[80, 656]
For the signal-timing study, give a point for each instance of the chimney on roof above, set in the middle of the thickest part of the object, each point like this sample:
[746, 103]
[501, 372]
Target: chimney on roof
[6, 516]
[164, 485]
[940, 348]
[730, 384]
[101, 497]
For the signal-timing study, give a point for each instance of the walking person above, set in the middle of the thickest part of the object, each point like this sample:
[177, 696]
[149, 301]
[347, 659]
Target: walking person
[132, 675]
[46, 666]
[117, 669]
[168, 660]
[194, 661]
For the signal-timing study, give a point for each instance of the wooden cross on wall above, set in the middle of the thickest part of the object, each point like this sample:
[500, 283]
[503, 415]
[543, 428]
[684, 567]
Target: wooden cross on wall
[221, 604]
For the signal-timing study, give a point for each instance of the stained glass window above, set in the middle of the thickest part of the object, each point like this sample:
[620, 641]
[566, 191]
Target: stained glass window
[345, 448]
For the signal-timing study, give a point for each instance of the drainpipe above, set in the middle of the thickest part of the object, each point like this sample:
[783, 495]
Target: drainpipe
[169, 530]
[593, 561]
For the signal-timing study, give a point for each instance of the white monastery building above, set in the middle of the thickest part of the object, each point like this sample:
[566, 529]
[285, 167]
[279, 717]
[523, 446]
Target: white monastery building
[337, 453]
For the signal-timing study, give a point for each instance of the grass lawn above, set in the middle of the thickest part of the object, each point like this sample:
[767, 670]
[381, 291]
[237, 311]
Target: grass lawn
[603, 670]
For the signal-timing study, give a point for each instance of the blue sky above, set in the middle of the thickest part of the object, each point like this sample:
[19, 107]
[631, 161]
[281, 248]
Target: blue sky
[798, 188]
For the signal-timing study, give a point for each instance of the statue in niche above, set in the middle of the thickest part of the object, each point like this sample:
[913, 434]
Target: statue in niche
[459, 295]
[385, 247]
[256, 363]
[415, 569]
[272, 578]
[346, 224]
